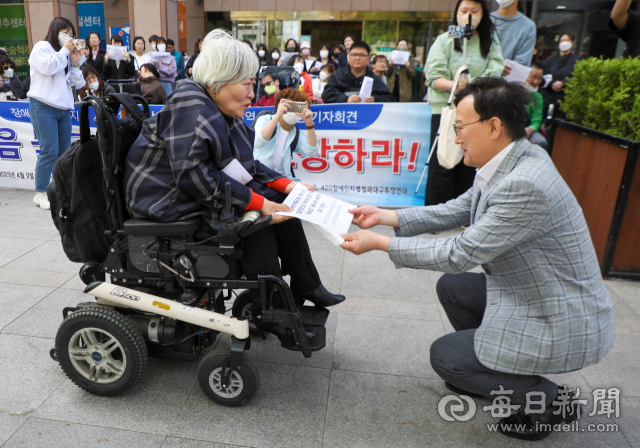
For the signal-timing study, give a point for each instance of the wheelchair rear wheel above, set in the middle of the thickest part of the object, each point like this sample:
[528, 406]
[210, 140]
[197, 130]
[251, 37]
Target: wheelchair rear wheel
[244, 380]
[101, 351]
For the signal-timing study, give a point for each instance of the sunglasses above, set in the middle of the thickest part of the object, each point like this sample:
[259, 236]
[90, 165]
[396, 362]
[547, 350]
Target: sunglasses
[8, 67]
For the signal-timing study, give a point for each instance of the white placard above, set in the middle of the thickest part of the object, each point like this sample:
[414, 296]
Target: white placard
[329, 215]
[366, 88]
[286, 56]
[519, 73]
[400, 57]
[161, 56]
[237, 172]
[116, 52]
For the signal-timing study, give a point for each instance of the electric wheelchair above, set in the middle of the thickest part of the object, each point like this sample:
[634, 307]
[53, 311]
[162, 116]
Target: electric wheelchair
[159, 293]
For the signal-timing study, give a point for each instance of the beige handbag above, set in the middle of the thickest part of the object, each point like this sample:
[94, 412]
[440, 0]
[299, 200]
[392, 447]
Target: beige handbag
[449, 152]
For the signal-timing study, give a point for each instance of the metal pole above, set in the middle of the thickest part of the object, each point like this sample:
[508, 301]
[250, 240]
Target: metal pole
[534, 11]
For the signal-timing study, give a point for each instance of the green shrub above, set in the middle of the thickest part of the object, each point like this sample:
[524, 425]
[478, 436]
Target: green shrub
[604, 94]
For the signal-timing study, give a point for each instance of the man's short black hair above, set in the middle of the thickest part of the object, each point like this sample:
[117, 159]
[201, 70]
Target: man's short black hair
[171, 42]
[362, 45]
[537, 65]
[270, 74]
[495, 97]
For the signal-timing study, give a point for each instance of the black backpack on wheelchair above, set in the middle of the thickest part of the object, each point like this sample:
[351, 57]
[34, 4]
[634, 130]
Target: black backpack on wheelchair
[166, 292]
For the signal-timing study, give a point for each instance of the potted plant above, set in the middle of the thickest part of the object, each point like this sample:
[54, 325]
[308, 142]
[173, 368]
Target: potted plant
[596, 151]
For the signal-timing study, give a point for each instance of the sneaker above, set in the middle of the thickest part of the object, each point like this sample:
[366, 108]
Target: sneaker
[42, 200]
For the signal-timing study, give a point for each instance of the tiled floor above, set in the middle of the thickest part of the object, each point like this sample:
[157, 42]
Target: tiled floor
[372, 386]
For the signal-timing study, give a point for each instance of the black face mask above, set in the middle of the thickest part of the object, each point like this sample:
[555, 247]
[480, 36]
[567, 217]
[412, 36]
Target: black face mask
[291, 49]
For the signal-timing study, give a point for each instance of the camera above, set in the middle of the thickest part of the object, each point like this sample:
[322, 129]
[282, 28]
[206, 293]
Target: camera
[461, 31]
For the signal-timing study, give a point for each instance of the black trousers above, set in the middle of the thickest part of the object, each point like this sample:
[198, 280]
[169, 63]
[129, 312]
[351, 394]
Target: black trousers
[443, 184]
[464, 299]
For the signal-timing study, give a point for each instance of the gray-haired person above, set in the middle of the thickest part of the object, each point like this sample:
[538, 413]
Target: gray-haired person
[174, 169]
[540, 307]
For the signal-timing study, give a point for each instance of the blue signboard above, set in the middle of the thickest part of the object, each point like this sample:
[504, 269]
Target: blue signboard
[91, 18]
[124, 33]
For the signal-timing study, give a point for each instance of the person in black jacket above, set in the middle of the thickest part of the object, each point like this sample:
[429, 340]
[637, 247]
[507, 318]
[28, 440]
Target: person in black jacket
[118, 69]
[97, 53]
[188, 68]
[343, 58]
[344, 85]
[559, 66]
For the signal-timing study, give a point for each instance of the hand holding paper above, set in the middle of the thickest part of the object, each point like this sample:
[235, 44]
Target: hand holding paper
[519, 73]
[116, 52]
[366, 89]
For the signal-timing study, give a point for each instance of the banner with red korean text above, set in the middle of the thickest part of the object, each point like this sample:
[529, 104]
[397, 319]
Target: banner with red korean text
[368, 153]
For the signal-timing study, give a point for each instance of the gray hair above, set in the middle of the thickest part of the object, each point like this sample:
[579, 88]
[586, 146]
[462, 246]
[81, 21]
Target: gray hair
[224, 60]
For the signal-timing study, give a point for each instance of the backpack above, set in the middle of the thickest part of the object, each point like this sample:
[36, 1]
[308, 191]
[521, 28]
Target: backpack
[294, 143]
[78, 195]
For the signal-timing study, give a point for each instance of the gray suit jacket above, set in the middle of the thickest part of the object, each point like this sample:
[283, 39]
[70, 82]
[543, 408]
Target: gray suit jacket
[548, 310]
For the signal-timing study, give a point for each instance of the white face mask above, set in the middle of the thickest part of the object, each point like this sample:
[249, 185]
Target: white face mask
[529, 87]
[505, 3]
[291, 118]
[298, 67]
[154, 46]
[464, 20]
[323, 76]
[8, 73]
[63, 38]
[162, 47]
[324, 54]
[261, 53]
[275, 56]
[94, 85]
[565, 46]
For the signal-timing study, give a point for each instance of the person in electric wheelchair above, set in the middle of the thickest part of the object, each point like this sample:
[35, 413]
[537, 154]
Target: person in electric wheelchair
[175, 169]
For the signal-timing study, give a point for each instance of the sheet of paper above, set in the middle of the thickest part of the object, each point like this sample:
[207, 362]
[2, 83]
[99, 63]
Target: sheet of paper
[400, 57]
[286, 56]
[366, 88]
[163, 56]
[328, 214]
[237, 172]
[519, 73]
[116, 53]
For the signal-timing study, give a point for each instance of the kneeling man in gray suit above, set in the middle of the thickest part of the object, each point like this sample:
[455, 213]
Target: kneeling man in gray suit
[541, 306]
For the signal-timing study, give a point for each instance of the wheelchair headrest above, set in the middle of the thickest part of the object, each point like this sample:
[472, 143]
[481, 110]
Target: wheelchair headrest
[287, 76]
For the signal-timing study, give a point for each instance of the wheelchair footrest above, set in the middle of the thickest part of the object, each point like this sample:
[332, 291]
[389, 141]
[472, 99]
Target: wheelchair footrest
[317, 336]
[314, 315]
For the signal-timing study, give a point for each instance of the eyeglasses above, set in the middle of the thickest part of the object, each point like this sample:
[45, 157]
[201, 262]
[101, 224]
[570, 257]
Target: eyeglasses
[361, 56]
[267, 84]
[8, 67]
[457, 128]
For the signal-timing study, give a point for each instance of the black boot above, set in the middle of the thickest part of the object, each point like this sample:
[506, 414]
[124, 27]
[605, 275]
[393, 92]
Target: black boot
[321, 297]
[539, 426]
[459, 391]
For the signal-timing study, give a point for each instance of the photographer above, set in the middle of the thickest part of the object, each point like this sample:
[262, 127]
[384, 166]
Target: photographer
[55, 65]
[277, 136]
[484, 58]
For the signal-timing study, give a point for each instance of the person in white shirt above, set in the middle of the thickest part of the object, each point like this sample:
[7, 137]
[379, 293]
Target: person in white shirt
[139, 56]
[54, 67]
[321, 80]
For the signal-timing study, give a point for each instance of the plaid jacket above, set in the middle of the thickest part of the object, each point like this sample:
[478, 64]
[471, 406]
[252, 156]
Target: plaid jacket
[548, 310]
[174, 168]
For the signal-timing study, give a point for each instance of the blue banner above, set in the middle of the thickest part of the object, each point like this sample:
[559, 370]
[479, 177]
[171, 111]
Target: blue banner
[367, 153]
[91, 18]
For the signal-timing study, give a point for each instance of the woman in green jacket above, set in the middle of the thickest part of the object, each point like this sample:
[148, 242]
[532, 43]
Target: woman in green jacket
[484, 58]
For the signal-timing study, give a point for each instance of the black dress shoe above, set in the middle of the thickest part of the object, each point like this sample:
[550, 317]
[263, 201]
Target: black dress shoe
[459, 391]
[537, 426]
[321, 297]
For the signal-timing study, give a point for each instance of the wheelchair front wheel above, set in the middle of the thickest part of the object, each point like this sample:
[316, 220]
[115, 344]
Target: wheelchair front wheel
[101, 351]
[244, 380]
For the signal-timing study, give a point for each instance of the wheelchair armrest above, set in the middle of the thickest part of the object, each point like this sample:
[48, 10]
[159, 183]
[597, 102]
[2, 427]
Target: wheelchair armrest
[149, 227]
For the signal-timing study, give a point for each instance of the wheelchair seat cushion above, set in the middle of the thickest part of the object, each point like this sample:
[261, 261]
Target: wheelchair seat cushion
[149, 227]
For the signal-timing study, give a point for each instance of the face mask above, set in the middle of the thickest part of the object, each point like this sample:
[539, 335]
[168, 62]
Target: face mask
[63, 38]
[298, 67]
[402, 48]
[323, 76]
[275, 56]
[464, 20]
[261, 53]
[162, 47]
[94, 85]
[505, 3]
[153, 45]
[8, 73]
[565, 46]
[530, 88]
[305, 52]
[291, 118]
[270, 90]
[291, 49]
[324, 54]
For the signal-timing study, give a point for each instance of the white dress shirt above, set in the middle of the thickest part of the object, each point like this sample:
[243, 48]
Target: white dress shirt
[484, 174]
[49, 83]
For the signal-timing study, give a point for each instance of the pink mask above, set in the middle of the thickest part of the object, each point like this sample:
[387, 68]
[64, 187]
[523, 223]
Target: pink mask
[305, 52]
